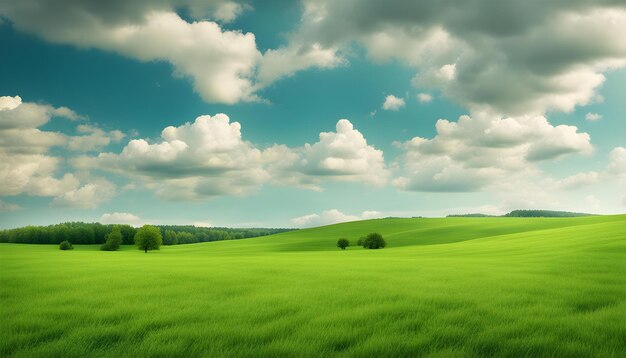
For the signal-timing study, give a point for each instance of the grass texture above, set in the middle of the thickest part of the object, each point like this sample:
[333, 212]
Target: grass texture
[453, 287]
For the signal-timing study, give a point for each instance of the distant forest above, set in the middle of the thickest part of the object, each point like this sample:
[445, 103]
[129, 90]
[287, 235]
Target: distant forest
[526, 214]
[94, 233]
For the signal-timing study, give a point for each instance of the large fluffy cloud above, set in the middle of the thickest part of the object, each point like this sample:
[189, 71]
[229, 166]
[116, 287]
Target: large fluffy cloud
[220, 63]
[508, 57]
[209, 158]
[26, 167]
[477, 152]
[343, 155]
[202, 159]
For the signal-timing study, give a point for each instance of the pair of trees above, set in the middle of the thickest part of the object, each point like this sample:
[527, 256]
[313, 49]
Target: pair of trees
[148, 237]
[371, 241]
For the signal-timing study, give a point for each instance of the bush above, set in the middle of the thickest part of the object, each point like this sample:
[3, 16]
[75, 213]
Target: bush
[343, 243]
[360, 241]
[374, 241]
[66, 245]
[114, 240]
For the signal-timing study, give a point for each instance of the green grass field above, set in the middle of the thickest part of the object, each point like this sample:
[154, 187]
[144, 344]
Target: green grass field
[443, 288]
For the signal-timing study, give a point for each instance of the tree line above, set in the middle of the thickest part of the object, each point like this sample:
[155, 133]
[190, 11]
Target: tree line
[525, 214]
[96, 233]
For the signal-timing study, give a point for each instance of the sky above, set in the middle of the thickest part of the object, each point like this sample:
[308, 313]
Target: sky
[306, 113]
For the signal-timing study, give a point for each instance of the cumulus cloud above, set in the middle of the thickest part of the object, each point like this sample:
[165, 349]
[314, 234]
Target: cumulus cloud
[209, 158]
[393, 103]
[332, 216]
[484, 150]
[121, 218]
[530, 58]
[27, 167]
[424, 97]
[93, 138]
[220, 63]
[202, 159]
[343, 155]
[88, 196]
[593, 116]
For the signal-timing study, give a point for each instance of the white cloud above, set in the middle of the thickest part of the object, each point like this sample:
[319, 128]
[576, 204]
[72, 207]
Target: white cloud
[527, 60]
[88, 196]
[8, 102]
[286, 61]
[424, 97]
[579, 180]
[121, 218]
[332, 216]
[209, 158]
[220, 63]
[593, 116]
[482, 151]
[624, 201]
[196, 160]
[24, 165]
[617, 161]
[4, 206]
[27, 167]
[228, 11]
[343, 155]
[93, 138]
[393, 103]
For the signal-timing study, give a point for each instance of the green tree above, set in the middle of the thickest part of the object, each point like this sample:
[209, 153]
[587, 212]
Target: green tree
[113, 240]
[148, 238]
[66, 245]
[343, 243]
[374, 241]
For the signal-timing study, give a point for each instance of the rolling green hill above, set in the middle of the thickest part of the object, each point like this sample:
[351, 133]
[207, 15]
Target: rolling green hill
[442, 287]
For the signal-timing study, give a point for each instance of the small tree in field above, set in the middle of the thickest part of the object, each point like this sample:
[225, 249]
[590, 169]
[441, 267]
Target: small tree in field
[343, 243]
[374, 241]
[66, 245]
[113, 240]
[148, 238]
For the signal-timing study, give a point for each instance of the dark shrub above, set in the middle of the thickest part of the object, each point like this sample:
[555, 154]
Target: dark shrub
[374, 241]
[66, 245]
[114, 240]
[343, 243]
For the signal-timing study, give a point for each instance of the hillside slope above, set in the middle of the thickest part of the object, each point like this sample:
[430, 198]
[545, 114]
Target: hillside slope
[444, 287]
[406, 232]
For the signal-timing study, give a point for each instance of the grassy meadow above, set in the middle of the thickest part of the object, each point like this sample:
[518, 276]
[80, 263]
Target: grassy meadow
[451, 287]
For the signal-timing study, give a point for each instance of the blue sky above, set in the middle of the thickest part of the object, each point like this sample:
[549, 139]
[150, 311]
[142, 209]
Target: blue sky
[444, 112]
